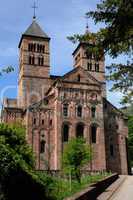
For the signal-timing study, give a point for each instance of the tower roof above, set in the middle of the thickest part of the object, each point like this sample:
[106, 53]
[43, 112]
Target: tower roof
[34, 30]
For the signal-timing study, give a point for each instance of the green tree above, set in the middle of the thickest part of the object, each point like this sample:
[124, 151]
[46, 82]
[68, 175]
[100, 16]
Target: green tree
[116, 39]
[17, 165]
[6, 70]
[14, 151]
[76, 154]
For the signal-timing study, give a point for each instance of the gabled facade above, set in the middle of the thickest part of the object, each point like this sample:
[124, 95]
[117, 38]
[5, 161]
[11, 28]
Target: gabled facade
[55, 109]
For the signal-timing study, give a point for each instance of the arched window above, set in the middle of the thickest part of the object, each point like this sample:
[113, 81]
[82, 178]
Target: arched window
[38, 48]
[40, 61]
[30, 60]
[96, 67]
[34, 121]
[79, 111]
[42, 141]
[29, 47]
[80, 130]
[65, 110]
[89, 66]
[51, 122]
[43, 49]
[111, 150]
[42, 121]
[93, 112]
[94, 133]
[65, 135]
[34, 47]
[42, 146]
[78, 78]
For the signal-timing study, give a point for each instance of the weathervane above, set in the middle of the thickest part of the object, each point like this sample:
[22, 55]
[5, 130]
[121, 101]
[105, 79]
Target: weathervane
[34, 7]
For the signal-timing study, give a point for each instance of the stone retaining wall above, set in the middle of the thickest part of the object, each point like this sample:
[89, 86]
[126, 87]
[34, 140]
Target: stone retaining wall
[94, 190]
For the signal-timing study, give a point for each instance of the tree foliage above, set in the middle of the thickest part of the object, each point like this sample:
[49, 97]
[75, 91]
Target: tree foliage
[76, 154]
[6, 70]
[17, 163]
[116, 39]
[18, 179]
[14, 151]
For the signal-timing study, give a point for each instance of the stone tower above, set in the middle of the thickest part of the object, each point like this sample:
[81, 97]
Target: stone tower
[34, 65]
[95, 65]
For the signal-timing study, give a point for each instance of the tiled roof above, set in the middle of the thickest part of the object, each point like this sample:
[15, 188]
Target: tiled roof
[35, 30]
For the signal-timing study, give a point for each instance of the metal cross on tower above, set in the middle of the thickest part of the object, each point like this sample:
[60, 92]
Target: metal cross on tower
[87, 25]
[34, 7]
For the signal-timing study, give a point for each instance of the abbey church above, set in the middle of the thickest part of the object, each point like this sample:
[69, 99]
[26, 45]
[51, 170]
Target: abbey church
[55, 109]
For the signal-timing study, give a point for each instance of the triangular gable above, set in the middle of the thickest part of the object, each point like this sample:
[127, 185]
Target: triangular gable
[72, 76]
[85, 76]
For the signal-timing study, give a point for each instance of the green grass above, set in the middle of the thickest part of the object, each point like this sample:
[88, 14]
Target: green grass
[58, 188]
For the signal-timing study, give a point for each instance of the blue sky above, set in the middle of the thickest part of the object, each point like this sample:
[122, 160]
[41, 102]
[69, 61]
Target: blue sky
[58, 19]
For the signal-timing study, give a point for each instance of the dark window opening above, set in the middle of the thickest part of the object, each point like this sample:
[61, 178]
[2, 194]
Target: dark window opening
[65, 110]
[110, 126]
[65, 135]
[97, 67]
[34, 47]
[93, 112]
[79, 111]
[38, 48]
[43, 49]
[40, 61]
[117, 127]
[111, 150]
[51, 122]
[34, 121]
[89, 66]
[42, 121]
[42, 146]
[80, 131]
[29, 47]
[78, 78]
[93, 134]
[105, 105]
[31, 60]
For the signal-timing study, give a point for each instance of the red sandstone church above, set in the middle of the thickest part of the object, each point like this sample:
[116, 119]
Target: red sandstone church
[55, 109]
